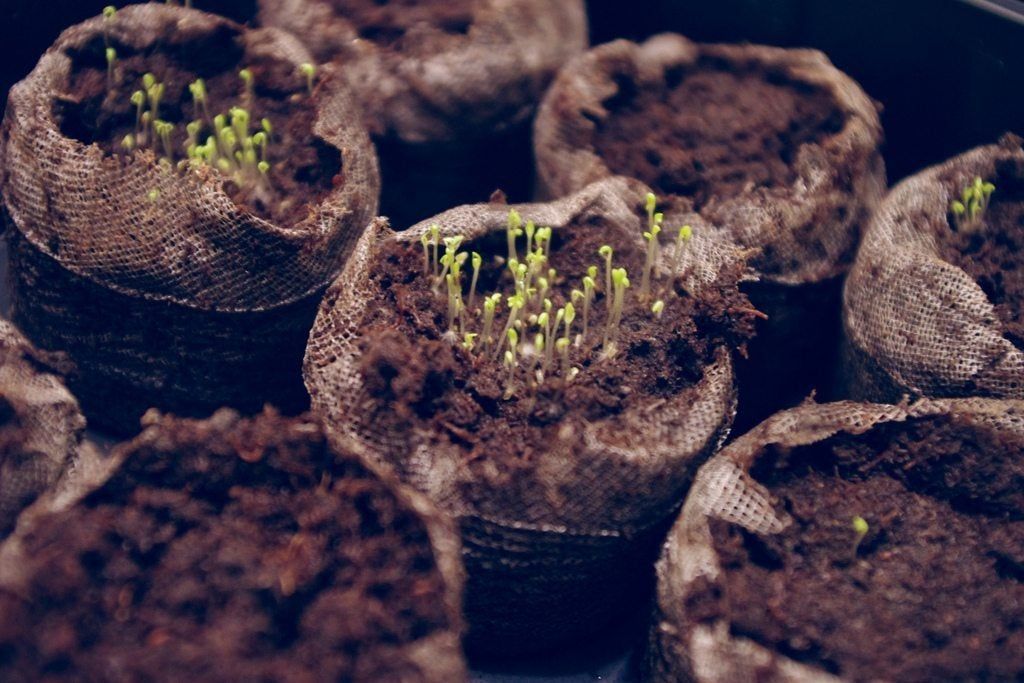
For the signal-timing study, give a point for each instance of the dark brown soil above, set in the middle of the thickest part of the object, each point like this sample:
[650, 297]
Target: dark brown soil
[994, 255]
[935, 591]
[425, 383]
[716, 130]
[226, 550]
[407, 26]
[304, 168]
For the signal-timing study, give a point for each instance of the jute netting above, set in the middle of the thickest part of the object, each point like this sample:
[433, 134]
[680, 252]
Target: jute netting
[192, 246]
[481, 70]
[232, 451]
[807, 230]
[914, 322]
[550, 553]
[42, 427]
[685, 648]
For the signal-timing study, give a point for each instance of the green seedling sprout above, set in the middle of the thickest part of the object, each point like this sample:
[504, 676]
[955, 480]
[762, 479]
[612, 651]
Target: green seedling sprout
[515, 304]
[685, 235]
[969, 210]
[248, 86]
[425, 241]
[451, 250]
[111, 55]
[860, 530]
[657, 308]
[490, 306]
[200, 108]
[651, 235]
[512, 232]
[309, 71]
[138, 98]
[469, 341]
[109, 13]
[606, 253]
[620, 282]
[510, 360]
[475, 261]
[163, 131]
[128, 142]
[435, 242]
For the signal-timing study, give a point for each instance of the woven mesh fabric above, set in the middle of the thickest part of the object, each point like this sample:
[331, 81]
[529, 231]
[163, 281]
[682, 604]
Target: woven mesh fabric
[155, 300]
[723, 489]
[437, 657]
[548, 557]
[913, 322]
[42, 427]
[487, 77]
[808, 230]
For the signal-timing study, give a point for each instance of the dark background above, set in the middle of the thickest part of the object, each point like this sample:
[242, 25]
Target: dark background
[948, 71]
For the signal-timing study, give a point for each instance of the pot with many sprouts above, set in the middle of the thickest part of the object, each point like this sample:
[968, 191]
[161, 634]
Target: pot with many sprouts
[550, 374]
[181, 191]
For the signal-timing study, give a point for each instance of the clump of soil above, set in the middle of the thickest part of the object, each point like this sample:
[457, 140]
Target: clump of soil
[228, 549]
[994, 254]
[303, 167]
[429, 384]
[934, 591]
[407, 26]
[714, 130]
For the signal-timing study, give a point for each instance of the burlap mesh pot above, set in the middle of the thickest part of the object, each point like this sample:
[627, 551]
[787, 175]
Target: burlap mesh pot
[681, 648]
[448, 88]
[177, 471]
[564, 548]
[807, 230]
[186, 302]
[913, 322]
[41, 427]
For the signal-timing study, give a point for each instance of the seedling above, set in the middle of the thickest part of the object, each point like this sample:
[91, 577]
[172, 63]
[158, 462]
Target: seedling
[685, 235]
[248, 85]
[860, 530]
[512, 232]
[111, 55]
[475, 261]
[969, 210]
[198, 90]
[657, 308]
[606, 253]
[620, 282]
[651, 235]
[109, 12]
[309, 71]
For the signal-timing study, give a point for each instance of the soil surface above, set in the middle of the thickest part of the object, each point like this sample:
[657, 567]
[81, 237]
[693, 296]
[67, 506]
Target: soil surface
[934, 590]
[426, 384]
[716, 130]
[994, 254]
[226, 550]
[303, 167]
[408, 26]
